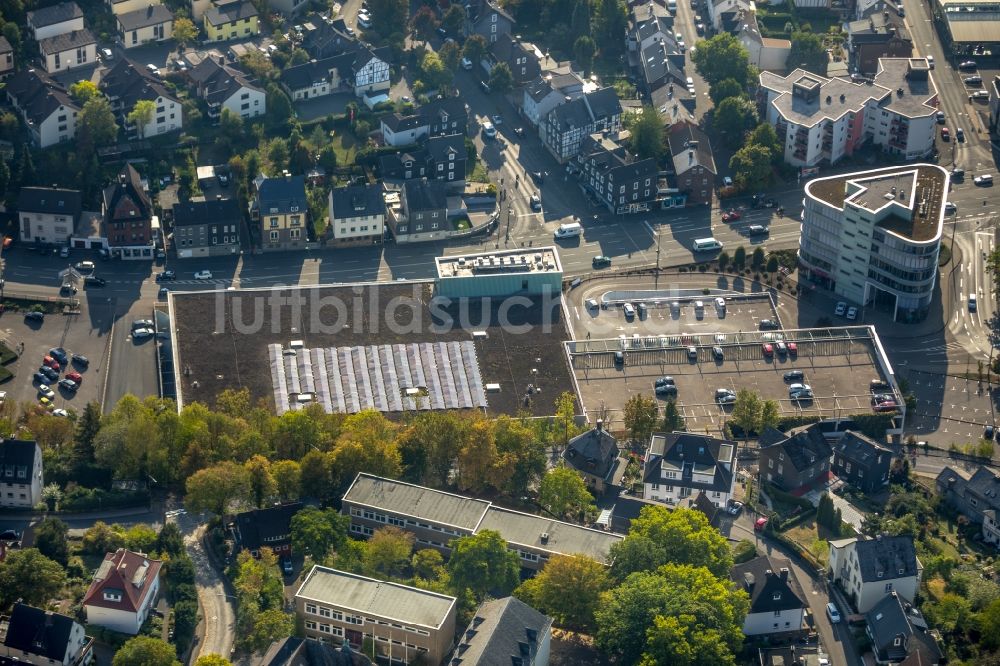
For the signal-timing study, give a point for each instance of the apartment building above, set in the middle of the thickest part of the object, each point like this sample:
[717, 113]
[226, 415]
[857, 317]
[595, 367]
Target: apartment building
[43, 638]
[868, 570]
[403, 622]
[21, 478]
[777, 602]
[547, 92]
[693, 162]
[861, 462]
[680, 465]
[123, 592]
[487, 18]
[44, 105]
[622, 183]
[128, 216]
[796, 461]
[47, 214]
[126, 84]
[207, 228]
[233, 20]
[68, 50]
[872, 237]
[977, 497]
[124, 6]
[821, 120]
[154, 23]
[435, 518]
[53, 20]
[281, 210]
[569, 124]
[224, 87]
[357, 214]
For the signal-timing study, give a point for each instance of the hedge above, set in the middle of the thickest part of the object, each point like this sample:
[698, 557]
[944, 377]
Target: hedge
[873, 425]
[788, 422]
[89, 499]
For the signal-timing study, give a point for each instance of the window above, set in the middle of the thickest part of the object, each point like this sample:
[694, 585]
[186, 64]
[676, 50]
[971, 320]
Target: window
[888, 586]
[274, 223]
[274, 236]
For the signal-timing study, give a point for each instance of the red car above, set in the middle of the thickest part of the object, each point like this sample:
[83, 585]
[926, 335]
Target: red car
[50, 362]
[731, 215]
[768, 349]
[793, 349]
[945, 134]
[760, 524]
[75, 376]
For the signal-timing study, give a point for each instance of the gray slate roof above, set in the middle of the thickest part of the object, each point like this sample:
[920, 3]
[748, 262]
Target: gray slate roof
[425, 194]
[890, 556]
[38, 95]
[680, 137]
[893, 618]
[357, 201]
[5, 46]
[411, 605]
[685, 451]
[859, 448]
[231, 11]
[282, 195]
[804, 449]
[143, 18]
[594, 452]
[763, 578]
[38, 632]
[18, 453]
[308, 73]
[64, 11]
[587, 109]
[128, 82]
[502, 631]
[66, 41]
[211, 211]
[51, 200]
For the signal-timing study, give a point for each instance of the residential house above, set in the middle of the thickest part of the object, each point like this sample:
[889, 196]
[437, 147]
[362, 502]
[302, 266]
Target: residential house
[662, 78]
[224, 87]
[445, 115]
[338, 606]
[328, 40]
[233, 20]
[47, 214]
[295, 651]
[879, 35]
[312, 79]
[360, 68]
[22, 480]
[594, 455]
[821, 119]
[124, 591]
[442, 158]
[287, 7]
[766, 53]
[679, 465]
[6, 57]
[900, 634]
[359, 71]
[154, 23]
[44, 105]
[128, 216]
[777, 602]
[861, 462]
[281, 210]
[208, 228]
[869, 570]
[793, 463]
[621, 182]
[270, 527]
[128, 83]
[43, 638]
[723, 15]
[125, 6]
[568, 124]
[546, 93]
[976, 497]
[68, 50]
[357, 214]
[651, 28]
[435, 518]
[421, 212]
[505, 631]
[53, 20]
[487, 18]
[522, 58]
[694, 165]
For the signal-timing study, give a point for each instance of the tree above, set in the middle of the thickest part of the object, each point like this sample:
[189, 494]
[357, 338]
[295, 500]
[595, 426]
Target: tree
[825, 511]
[770, 414]
[764, 135]
[424, 22]
[501, 79]
[389, 16]
[733, 117]
[101, 538]
[746, 411]
[678, 615]
[87, 427]
[681, 536]
[740, 257]
[639, 416]
[141, 538]
[725, 89]
[279, 107]
[647, 134]
[258, 64]
[51, 540]
[146, 651]
[951, 613]
[566, 416]
[31, 577]
[609, 25]
[269, 626]
[989, 625]
[808, 53]
[474, 49]
[216, 488]
[751, 166]
[287, 479]
[580, 18]
[83, 91]
[563, 493]
[434, 73]
[185, 31]
[454, 19]
[261, 480]
[170, 541]
[314, 474]
[450, 54]
[569, 589]
[584, 50]
[212, 660]
[4, 176]
[673, 420]
[141, 115]
[427, 563]
[96, 125]
[723, 57]
[388, 552]
[231, 125]
[483, 564]
[318, 532]
[757, 258]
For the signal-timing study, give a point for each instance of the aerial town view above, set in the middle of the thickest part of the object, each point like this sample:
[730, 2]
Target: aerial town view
[499, 332]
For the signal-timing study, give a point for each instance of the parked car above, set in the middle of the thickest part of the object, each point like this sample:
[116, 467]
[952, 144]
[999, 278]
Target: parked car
[49, 374]
[81, 360]
[165, 275]
[142, 333]
[629, 310]
[984, 180]
[94, 281]
[286, 565]
[725, 396]
[40, 378]
[794, 376]
[34, 316]
[756, 229]
[45, 391]
[768, 349]
[949, 207]
[968, 65]
[945, 134]
[203, 275]
[735, 507]
[665, 389]
[539, 176]
[768, 325]
[142, 323]
[664, 381]
[692, 353]
[760, 524]
[799, 391]
[852, 313]
[974, 80]
[960, 135]
[59, 354]
[989, 432]
[840, 309]
[69, 385]
[718, 354]
[536, 202]
[60, 412]
[85, 266]
[833, 613]
[940, 117]
[601, 261]
[466, 64]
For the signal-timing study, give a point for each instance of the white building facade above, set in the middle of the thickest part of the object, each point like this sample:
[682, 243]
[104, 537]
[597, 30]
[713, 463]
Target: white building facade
[869, 570]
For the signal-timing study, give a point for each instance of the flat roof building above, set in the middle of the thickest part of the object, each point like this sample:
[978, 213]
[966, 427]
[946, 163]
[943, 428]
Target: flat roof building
[402, 621]
[501, 273]
[873, 237]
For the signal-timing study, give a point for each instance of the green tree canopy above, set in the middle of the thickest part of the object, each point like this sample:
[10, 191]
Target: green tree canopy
[483, 564]
[30, 576]
[319, 532]
[424, 22]
[751, 167]
[474, 49]
[218, 487]
[764, 135]
[679, 536]
[388, 552]
[723, 57]
[501, 79]
[84, 90]
[564, 494]
[185, 31]
[569, 589]
[52, 540]
[639, 416]
[454, 19]
[725, 89]
[808, 53]
[388, 16]
[146, 651]
[648, 134]
[141, 115]
[584, 50]
[733, 117]
[212, 660]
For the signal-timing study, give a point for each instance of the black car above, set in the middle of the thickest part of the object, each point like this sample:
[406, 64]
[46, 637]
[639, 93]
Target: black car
[69, 385]
[539, 176]
[767, 325]
[988, 433]
[601, 261]
[10, 535]
[59, 354]
[81, 360]
[666, 389]
[958, 175]
[968, 64]
[94, 281]
[519, 131]
[40, 378]
[47, 372]
[794, 376]
[619, 358]
[34, 316]
[165, 275]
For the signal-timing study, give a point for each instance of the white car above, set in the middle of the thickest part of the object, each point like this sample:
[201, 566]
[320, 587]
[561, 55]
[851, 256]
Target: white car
[46, 391]
[949, 207]
[203, 275]
[852, 313]
[466, 64]
[142, 333]
[735, 507]
[840, 309]
[727, 181]
[797, 391]
[60, 412]
[720, 303]
[591, 304]
[725, 396]
[364, 21]
[629, 310]
[153, 69]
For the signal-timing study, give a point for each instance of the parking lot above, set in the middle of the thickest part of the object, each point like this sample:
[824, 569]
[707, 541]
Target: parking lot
[679, 314]
[838, 370]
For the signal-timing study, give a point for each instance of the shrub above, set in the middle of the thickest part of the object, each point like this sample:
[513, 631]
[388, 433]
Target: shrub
[89, 499]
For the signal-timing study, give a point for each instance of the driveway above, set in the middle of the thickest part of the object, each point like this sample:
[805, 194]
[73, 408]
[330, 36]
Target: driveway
[216, 632]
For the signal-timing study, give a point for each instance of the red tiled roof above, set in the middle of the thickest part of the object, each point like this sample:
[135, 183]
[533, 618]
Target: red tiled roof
[126, 572]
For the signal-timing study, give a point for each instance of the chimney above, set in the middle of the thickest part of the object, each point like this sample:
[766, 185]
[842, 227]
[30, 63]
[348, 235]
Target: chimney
[784, 573]
[544, 538]
[768, 573]
[600, 425]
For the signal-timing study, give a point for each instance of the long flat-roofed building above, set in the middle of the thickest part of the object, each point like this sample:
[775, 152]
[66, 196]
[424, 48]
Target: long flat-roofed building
[502, 273]
[873, 237]
[403, 621]
[435, 518]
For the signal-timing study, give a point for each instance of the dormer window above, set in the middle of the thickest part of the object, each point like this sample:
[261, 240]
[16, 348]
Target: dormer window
[897, 641]
[112, 595]
[777, 596]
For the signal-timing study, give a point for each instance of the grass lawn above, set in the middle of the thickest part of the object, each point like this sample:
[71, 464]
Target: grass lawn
[806, 533]
[479, 173]
[461, 224]
[346, 146]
